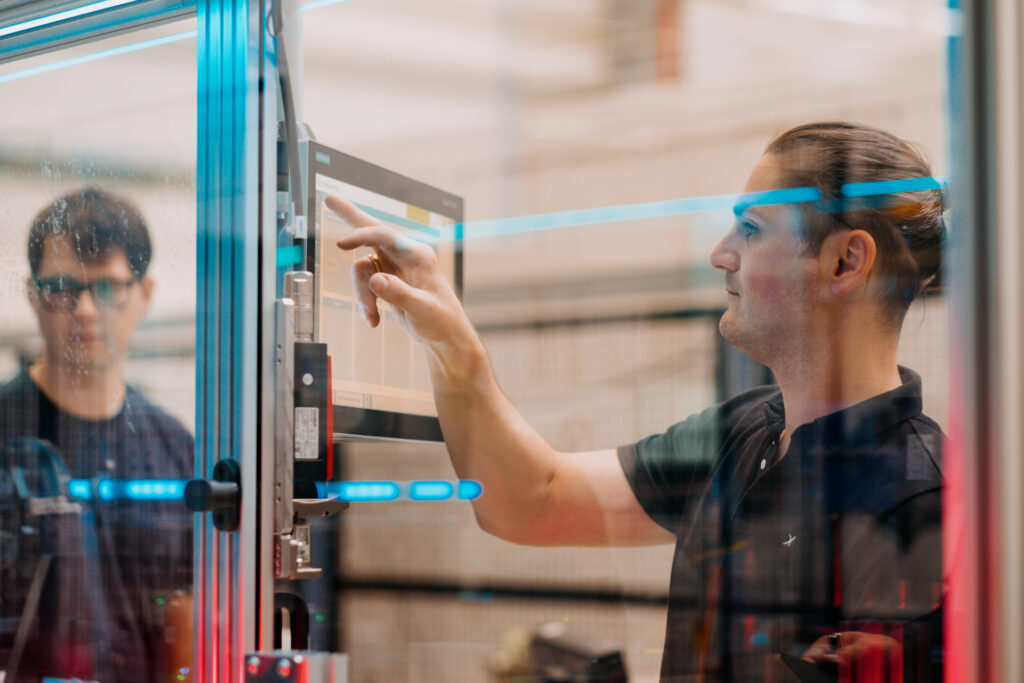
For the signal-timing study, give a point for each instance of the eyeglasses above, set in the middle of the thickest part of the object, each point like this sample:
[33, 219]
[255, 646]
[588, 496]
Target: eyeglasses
[60, 293]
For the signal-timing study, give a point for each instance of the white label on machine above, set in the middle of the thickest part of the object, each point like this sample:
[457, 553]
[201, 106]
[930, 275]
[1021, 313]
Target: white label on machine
[307, 433]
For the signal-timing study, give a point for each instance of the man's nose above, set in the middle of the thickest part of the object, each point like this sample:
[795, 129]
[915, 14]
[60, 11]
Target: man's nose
[86, 305]
[724, 256]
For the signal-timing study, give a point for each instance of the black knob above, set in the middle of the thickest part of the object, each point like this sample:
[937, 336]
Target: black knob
[203, 495]
[221, 495]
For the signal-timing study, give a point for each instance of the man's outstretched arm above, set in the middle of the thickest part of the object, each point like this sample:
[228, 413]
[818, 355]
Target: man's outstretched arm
[533, 494]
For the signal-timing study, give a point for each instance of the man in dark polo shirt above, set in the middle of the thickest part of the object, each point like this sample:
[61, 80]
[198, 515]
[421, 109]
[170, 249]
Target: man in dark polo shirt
[104, 610]
[806, 516]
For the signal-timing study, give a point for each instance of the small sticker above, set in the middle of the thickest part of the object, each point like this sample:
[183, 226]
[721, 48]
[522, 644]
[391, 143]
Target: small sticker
[307, 433]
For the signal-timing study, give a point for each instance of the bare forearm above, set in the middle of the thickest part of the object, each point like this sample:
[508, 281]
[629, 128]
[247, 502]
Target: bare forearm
[532, 494]
[489, 441]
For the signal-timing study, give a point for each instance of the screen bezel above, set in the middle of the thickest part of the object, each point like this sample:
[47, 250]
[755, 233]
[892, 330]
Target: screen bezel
[367, 423]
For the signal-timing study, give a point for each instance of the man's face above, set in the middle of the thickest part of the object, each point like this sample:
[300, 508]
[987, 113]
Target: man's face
[87, 329]
[771, 281]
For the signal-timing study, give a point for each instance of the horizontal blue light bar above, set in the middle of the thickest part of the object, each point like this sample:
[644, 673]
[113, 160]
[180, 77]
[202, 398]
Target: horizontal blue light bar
[732, 203]
[501, 227]
[431, 490]
[351, 491]
[61, 16]
[788, 195]
[365, 491]
[893, 186]
[80, 488]
[383, 491]
[130, 489]
[94, 56]
[469, 489]
[317, 4]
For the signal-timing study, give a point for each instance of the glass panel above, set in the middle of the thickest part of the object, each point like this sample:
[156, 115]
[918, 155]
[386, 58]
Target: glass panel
[97, 356]
[622, 284]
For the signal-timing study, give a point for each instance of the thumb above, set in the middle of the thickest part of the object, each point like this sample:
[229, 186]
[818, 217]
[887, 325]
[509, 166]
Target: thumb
[398, 293]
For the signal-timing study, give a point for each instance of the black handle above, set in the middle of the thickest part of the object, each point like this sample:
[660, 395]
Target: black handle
[221, 495]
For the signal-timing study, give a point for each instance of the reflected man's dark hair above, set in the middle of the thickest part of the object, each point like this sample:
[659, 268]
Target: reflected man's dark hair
[908, 227]
[97, 224]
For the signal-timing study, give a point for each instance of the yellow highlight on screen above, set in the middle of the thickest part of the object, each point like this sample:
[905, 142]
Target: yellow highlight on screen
[415, 213]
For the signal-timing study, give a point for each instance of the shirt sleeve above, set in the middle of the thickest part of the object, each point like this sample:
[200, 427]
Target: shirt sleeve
[668, 471]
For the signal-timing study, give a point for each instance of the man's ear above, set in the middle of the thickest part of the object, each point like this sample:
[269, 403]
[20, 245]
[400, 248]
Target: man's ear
[146, 283]
[851, 256]
[32, 293]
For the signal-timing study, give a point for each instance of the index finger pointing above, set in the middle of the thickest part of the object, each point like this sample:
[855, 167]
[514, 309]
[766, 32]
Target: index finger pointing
[348, 211]
[378, 236]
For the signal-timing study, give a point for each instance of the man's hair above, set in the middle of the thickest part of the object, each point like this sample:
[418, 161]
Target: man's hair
[97, 224]
[908, 227]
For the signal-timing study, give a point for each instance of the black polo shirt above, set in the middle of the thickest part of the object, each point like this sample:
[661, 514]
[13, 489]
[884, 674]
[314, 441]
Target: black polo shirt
[841, 534]
[103, 613]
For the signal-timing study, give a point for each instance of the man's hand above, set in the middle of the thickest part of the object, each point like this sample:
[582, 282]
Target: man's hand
[410, 279]
[859, 656]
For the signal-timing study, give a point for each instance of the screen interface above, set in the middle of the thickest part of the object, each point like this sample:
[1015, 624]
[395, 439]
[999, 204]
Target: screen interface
[381, 368]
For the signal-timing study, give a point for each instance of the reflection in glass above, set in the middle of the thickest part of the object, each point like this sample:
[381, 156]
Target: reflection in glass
[96, 358]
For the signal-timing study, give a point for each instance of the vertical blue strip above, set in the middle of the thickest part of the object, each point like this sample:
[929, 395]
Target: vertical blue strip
[226, 365]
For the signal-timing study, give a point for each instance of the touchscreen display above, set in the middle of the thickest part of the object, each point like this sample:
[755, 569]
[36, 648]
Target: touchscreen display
[379, 369]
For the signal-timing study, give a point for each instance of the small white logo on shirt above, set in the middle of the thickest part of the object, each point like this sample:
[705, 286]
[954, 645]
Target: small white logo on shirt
[790, 541]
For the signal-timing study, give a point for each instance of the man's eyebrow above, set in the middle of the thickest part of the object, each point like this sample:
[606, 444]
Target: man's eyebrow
[746, 211]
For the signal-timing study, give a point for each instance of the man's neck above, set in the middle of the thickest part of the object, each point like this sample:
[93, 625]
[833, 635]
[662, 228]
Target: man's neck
[822, 383]
[95, 395]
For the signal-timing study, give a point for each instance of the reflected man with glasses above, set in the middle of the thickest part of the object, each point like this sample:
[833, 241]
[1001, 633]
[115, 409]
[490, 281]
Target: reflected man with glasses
[89, 253]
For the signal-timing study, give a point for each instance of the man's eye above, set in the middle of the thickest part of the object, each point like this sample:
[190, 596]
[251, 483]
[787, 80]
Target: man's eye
[748, 230]
[104, 289]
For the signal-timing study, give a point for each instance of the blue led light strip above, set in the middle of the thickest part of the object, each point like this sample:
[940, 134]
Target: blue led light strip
[92, 57]
[881, 187]
[351, 491]
[732, 203]
[127, 489]
[61, 16]
[383, 491]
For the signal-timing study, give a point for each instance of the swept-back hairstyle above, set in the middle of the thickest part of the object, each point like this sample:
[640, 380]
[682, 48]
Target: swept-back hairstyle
[908, 227]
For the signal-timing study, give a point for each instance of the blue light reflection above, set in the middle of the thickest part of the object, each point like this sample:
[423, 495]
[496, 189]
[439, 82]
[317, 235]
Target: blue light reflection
[58, 17]
[94, 56]
[431, 490]
[351, 491]
[731, 203]
[383, 491]
[130, 489]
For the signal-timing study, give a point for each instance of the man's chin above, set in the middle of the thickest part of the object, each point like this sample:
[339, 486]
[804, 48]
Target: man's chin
[89, 364]
[742, 339]
[728, 329]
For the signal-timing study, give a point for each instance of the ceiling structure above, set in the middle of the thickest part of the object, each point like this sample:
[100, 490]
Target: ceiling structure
[443, 68]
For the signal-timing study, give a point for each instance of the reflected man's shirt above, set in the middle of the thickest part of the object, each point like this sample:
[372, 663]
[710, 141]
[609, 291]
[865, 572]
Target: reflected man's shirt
[841, 534]
[135, 554]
